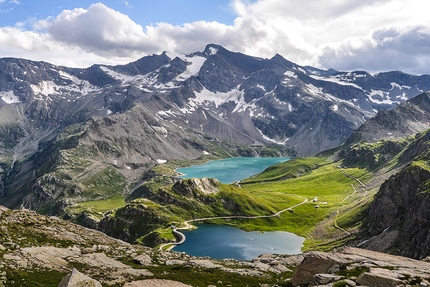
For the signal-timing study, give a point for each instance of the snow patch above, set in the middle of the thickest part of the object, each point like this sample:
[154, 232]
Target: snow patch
[261, 87]
[45, 88]
[9, 98]
[290, 74]
[194, 65]
[161, 161]
[379, 97]
[338, 80]
[313, 89]
[117, 76]
[212, 51]
[272, 140]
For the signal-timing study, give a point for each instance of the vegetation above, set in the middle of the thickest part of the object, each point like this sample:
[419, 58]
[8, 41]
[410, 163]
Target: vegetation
[322, 198]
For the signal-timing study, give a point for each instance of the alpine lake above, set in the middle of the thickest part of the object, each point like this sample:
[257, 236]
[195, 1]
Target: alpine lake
[222, 241]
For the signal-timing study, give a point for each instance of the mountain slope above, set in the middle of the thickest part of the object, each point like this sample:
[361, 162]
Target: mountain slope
[398, 218]
[63, 129]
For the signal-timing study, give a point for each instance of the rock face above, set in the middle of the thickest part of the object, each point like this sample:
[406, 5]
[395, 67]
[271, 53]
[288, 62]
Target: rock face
[398, 219]
[408, 118]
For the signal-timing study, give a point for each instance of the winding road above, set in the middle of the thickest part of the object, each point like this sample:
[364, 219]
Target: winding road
[170, 245]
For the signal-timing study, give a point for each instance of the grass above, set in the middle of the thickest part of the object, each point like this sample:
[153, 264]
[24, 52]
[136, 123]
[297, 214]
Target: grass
[320, 180]
[291, 169]
[317, 180]
[34, 278]
[205, 277]
[97, 206]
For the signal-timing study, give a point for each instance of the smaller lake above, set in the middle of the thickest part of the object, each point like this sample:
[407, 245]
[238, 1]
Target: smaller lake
[231, 169]
[222, 241]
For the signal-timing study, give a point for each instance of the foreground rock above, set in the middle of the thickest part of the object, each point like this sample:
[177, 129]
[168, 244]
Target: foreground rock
[77, 279]
[354, 266]
[35, 249]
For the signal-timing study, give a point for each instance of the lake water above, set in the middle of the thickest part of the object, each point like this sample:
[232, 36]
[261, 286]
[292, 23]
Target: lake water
[231, 169]
[222, 241]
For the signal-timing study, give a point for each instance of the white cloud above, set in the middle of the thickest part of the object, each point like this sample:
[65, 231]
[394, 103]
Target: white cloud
[345, 34]
[100, 29]
[374, 35]
[405, 49]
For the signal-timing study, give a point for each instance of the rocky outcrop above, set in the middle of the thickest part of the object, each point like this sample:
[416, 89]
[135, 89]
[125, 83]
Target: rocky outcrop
[36, 248]
[408, 118]
[399, 218]
[77, 279]
[354, 266]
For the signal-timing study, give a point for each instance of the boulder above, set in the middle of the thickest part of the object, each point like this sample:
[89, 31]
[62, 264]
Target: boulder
[77, 279]
[316, 263]
[379, 277]
[143, 259]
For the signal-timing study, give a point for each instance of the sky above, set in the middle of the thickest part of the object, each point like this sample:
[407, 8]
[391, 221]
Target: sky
[371, 35]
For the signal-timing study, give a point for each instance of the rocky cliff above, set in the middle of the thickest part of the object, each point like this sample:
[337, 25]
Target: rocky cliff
[398, 219]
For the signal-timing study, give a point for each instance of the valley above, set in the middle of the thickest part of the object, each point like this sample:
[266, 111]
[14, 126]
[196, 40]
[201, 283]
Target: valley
[100, 147]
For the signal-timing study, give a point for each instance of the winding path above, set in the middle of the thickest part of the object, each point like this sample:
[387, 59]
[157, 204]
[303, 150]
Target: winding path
[336, 225]
[188, 226]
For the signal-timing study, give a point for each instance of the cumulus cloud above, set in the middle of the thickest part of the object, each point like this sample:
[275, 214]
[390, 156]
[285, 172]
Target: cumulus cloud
[374, 35]
[405, 49]
[99, 29]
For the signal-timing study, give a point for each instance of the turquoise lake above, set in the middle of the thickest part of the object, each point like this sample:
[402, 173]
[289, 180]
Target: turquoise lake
[221, 241]
[231, 169]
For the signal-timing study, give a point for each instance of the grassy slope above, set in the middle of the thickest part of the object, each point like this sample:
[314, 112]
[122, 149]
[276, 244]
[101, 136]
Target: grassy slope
[336, 204]
[262, 195]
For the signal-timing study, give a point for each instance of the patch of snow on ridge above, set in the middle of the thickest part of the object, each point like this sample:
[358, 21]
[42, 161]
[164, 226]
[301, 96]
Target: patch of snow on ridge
[194, 65]
[376, 94]
[272, 140]
[207, 97]
[290, 74]
[9, 97]
[334, 108]
[117, 76]
[212, 51]
[261, 87]
[336, 80]
[400, 87]
[45, 88]
[313, 89]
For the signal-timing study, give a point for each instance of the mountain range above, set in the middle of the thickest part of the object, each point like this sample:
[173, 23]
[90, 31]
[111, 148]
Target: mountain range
[98, 146]
[69, 133]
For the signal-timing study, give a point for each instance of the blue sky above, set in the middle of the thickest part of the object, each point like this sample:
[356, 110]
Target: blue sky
[371, 35]
[143, 12]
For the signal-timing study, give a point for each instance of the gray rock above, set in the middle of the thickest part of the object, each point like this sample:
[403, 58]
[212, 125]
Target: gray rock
[379, 277]
[143, 259]
[323, 279]
[77, 279]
